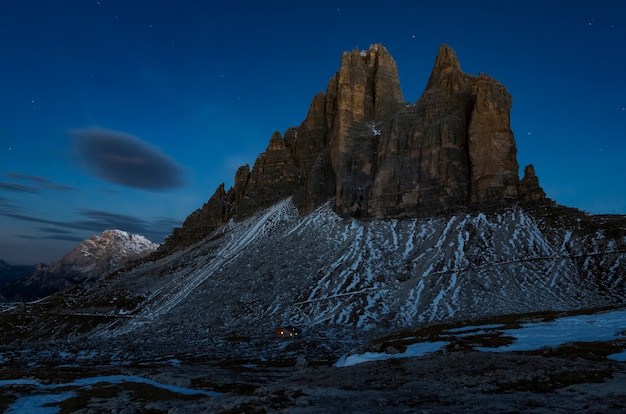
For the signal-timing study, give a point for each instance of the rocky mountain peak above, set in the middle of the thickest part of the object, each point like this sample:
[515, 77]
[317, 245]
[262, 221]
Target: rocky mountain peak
[89, 260]
[446, 61]
[276, 142]
[366, 86]
[377, 157]
[529, 188]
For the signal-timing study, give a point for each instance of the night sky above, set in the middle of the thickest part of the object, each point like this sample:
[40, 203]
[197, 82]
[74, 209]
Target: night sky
[129, 114]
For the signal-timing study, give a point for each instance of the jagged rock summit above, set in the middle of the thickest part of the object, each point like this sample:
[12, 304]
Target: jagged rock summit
[379, 157]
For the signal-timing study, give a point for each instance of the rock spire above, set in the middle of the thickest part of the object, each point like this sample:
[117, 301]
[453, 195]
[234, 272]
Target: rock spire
[379, 157]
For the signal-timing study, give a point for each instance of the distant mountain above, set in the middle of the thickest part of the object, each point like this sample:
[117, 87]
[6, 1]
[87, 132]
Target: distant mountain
[372, 215]
[90, 260]
[12, 272]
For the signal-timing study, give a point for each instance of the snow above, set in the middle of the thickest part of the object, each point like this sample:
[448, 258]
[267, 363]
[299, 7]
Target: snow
[409, 243]
[414, 350]
[476, 328]
[583, 328]
[621, 357]
[446, 230]
[605, 326]
[34, 403]
[242, 235]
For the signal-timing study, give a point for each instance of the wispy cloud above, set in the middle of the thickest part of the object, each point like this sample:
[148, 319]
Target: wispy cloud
[41, 181]
[63, 237]
[54, 230]
[96, 221]
[17, 187]
[124, 159]
[8, 206]
[56, 233]
[32, 219]
[155, 230]
[166, 222]
[105, 219]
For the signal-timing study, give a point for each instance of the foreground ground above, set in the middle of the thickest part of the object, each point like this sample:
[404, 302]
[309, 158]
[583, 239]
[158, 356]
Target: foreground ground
[466, 370]
[465, 381]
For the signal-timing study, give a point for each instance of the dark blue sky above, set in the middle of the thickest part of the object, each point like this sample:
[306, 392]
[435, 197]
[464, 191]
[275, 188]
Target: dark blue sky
[129, 114]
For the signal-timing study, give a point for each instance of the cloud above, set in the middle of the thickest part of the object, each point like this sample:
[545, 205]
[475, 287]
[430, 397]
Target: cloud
[41, 181]
[55, 233]
[17, 187]
[7, 205]
[156, 230]
[167, 222]
[55, 230]
[108, 220]
[31, 219]
[62, 237]
[124, 159]
[96, 221]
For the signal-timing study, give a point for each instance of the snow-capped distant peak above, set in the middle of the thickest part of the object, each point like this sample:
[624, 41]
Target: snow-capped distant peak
[91, 259]
[129, 242]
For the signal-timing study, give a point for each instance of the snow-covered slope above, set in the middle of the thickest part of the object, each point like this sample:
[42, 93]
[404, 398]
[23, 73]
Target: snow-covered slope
[321, 270]
[278, 267]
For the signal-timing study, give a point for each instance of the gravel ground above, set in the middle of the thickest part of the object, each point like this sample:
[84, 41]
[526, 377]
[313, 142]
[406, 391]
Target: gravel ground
[570, 379]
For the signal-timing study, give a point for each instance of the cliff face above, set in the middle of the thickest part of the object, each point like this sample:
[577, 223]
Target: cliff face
[453, 148]
[379, 157]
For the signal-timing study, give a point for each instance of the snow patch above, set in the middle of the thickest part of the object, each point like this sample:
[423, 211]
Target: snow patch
[35, 403]
[583, 328]
[414, 350]
[621, 357]
[476, 328]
